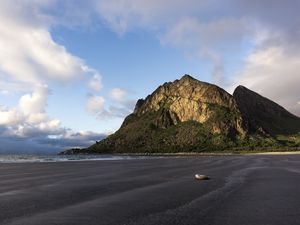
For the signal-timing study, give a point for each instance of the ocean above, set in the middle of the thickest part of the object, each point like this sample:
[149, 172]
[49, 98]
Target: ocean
[25, 158]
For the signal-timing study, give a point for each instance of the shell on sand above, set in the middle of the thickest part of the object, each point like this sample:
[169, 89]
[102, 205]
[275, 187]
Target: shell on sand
[201, 177]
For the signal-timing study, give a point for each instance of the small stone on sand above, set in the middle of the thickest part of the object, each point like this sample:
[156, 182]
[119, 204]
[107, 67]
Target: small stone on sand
[201, 177]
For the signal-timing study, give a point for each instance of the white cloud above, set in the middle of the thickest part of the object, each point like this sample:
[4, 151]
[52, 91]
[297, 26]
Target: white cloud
[191, 32]
[30, 55]
[35, 102]
[123, 16]
[118, 94]
[29, 116]
[4, 92]
[95, 82]
[113, 111]
[49, 125]
[95, 104]
[10, 117]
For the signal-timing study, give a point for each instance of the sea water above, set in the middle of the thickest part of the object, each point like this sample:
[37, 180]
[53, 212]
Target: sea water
[24, 158]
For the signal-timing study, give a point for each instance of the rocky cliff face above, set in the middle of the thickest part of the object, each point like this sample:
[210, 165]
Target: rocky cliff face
[188, 99]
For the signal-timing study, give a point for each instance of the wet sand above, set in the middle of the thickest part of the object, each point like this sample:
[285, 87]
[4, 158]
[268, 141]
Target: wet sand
[259, 189]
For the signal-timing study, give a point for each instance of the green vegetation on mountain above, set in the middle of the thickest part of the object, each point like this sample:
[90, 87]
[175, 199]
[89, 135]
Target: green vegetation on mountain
[188, 115]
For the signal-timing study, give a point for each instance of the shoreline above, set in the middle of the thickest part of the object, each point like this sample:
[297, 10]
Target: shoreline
[212, 153]
[297, 152]
[134, 156]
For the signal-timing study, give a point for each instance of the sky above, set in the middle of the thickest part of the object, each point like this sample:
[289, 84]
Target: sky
[70, 71]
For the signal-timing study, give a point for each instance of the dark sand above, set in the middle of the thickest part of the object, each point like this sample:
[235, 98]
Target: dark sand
[243, 190]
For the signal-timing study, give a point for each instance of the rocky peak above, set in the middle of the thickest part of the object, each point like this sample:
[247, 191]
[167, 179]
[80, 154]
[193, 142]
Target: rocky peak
[262, 114]
[246, 98]
[187, 77]
[185, 89]
[240, 88]
[188, 99]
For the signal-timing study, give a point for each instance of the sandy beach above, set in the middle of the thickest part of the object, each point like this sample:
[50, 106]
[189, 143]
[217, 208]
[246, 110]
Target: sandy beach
[256, 189]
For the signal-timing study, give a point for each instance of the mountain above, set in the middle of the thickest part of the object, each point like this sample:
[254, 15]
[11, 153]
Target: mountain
[190, 115]
[264, 115]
